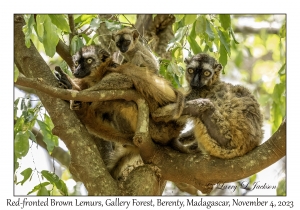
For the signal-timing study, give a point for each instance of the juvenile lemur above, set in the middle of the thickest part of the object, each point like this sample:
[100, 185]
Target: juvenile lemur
[116, 120]
[127, 40]
[227, 121]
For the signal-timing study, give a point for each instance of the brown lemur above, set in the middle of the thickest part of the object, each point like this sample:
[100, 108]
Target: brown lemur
[227, 120]
[127, 40]
[116, 120]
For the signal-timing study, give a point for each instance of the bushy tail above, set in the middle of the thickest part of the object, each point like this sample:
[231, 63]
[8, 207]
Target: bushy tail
[210, 146]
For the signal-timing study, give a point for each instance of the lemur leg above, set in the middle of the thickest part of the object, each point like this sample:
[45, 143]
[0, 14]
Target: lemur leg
[215, 123]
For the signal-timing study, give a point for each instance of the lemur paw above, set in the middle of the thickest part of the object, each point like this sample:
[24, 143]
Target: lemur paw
[75, 105]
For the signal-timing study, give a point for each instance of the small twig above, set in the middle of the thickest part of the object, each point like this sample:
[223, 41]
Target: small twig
[72, 28]
[86, 31]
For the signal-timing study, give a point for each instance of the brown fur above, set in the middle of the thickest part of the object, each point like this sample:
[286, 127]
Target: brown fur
[228, 122]
[155, 89]
[133, 51]
[116, 120]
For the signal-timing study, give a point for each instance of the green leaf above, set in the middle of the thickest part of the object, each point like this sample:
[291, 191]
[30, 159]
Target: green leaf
[86, 38]
[48, 121]
[16, 102]
[61, 22]
[29, 116]
[51, 177]
[26, 174]
[193, 31]
[209, 31]
[84, 19]
[27, 29]
[225, 21]
[76, 44]
[91, 40]
[55, 180]
[16, 74]
[178, 17]
[16, 163]
[18, 125]
[43, 191]
[32, 136]
[223, 57]
[62, 187]
[225, 40]
[177, 38]
[23, 105]
[190, 19]
[21, 144]
[233, 36]
[38, 187]
[113, 25]
[194, 45]
[179, 34]
[278, 92]
[50, 140]
[95, 24]
[172, 67]
[252, 179]
[281, 188]
[50, 38]
[200, 25]
[282, 32]
[40, 20]
[282, 69]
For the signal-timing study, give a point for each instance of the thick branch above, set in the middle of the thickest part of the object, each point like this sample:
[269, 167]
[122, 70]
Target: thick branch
[63, 50]
[85, 95]
[202, 172]
[86, 162]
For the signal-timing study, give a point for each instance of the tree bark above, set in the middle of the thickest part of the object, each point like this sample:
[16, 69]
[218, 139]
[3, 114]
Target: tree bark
[86, 162]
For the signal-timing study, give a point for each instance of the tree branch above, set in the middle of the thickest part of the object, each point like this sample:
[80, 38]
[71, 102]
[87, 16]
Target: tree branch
[86, 162]
[251, 30]
[63, 50]
[85, 95]
[202, 171]
[72, 28]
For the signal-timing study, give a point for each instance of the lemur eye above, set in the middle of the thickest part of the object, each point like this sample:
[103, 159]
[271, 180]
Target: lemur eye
[206, 73]
[190, 71]
[76, 63]
[89, 60]
[127, 42]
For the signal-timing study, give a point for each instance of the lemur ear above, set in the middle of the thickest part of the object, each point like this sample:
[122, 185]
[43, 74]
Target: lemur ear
[135, 34]
[187, 60]
[218, 67]
[113, 36]
[104, 54]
